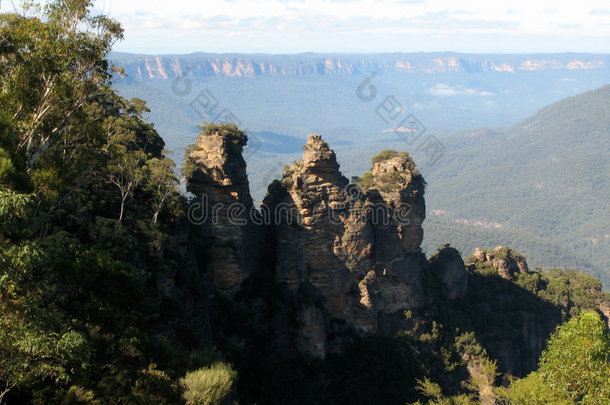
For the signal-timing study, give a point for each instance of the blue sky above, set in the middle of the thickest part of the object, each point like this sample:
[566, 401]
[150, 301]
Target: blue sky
[291, 26]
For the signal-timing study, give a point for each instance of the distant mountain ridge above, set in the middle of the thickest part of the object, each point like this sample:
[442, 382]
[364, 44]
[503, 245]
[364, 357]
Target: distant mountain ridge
[250, 65]
[294, 95]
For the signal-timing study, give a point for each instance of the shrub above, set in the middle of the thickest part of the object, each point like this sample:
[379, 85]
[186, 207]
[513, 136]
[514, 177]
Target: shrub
[366, 181]
[208, 385]
[230, 130]
[574, 367]
[154, 387]
[532, 390]
[389, 154]
[575, 363]
[384, 155]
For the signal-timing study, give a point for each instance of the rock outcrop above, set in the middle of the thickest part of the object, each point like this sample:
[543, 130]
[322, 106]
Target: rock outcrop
[344, 254]
[325, 263]
[356, 249]
[324, 259]
[223, 207]
[506, 261]
[447, 265]
[518, 322]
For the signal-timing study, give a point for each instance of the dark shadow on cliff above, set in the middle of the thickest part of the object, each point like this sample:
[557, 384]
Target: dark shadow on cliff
[511, 322]
[258, 331]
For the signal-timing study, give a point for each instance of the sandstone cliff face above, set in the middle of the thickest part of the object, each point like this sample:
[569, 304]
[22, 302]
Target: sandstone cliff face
[222, 207]
[216, 65]
[358, 248]
[520, 323]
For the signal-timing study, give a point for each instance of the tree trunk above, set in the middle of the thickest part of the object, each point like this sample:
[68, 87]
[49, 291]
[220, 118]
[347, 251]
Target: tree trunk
[156, 215]
[122, 205]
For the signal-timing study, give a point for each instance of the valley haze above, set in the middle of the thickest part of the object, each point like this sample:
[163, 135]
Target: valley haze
[456, 97]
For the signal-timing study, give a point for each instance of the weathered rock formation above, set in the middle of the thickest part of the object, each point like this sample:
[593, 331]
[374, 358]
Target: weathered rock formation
[223, 207]
[448, 266]
[343, 252]
[506, 262]
[357, 247]
[324, 259]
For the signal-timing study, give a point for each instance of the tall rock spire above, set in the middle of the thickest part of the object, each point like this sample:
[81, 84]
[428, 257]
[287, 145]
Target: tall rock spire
[222, 207]
[353, 251]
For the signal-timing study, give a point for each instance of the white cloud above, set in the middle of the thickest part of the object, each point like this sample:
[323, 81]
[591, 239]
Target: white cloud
[442, 89]
[366, 25]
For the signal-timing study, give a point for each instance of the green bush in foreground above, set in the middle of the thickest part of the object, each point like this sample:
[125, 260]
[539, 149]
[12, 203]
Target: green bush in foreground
[209, 385]
[574, 367]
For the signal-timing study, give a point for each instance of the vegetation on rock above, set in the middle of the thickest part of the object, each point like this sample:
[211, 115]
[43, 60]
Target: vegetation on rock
[390, 180]
[209, 385]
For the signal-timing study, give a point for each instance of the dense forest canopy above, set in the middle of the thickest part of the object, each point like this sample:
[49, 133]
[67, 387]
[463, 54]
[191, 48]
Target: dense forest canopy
[86, 189]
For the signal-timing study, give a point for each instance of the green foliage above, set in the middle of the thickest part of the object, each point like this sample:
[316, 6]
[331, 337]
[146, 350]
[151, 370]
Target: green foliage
[467, 345]
[503, 252]
[388, 154]
[366, 181]
[12, 169]
[161, 182]
[532, 390]
[385, 155]
[63, 66]
[434, 393]
[549, 296]
[80, 291]
[155, 386]
[188, 164]
[574, 368]
[572, 290]
[79, 396]
[209, 385]
[12, 210]
[229, 131]
[575, 362]
[389, 181]
[30, 352]
[483, 373]
[533, 281]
